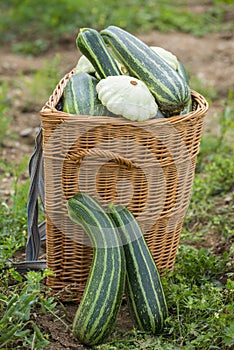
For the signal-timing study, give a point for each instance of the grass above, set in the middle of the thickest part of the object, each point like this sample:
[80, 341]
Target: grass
[200, 308]
[16, 326]
[41, 83]
[5, 120]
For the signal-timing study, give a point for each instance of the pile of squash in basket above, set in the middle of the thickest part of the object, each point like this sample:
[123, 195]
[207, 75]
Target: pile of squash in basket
[119, 75]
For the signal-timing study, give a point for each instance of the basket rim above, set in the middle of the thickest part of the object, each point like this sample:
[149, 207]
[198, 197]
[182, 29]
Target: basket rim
[50, 108]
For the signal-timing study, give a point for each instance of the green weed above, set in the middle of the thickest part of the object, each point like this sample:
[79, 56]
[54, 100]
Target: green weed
[30, 48]
[201, 307]
[5, 119]
[210, 208]
[17, 328]
[13, 213]
[42, 83]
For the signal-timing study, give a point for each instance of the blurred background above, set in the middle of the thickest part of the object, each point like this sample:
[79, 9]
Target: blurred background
[32, 26]
[37, 48]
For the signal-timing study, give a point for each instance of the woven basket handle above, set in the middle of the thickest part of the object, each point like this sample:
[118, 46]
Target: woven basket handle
[126, 166]
[57, 93]
[81, 153]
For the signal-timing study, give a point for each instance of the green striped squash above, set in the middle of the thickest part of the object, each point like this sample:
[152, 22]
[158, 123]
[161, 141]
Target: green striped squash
[98, 309]
[144, 289]
[92, 45]
[182, 71]
[170, 89]
[80, 95]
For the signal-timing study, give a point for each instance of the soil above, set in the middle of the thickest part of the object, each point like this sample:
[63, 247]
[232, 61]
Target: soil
[210, 58]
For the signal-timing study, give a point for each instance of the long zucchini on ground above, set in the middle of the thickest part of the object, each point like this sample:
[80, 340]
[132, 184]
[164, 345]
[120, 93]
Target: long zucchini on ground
[102, 297]
[170, 89]
[143, 288]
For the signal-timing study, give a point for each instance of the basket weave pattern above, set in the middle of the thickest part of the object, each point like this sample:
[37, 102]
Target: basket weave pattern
[147, 166]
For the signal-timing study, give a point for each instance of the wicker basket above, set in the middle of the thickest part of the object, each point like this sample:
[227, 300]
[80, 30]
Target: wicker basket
[147, 166]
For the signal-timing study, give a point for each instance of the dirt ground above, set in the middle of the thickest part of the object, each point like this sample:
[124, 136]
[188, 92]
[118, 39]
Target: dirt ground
[211, 58]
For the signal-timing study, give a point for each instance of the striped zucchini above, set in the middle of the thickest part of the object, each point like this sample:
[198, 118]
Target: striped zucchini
[102, 297]
[144, 290]
[92, 45]
[182, 71]
[170, 89]
[80, 95]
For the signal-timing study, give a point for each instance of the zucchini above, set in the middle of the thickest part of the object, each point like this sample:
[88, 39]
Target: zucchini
[170, 89]
[100, 303]
[92, 45]
[182, 71]
[80, 95]
[144, 289]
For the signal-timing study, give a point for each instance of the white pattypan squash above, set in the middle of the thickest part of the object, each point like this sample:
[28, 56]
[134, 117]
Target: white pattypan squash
[167, 56]
[127, 97]
[84, 65]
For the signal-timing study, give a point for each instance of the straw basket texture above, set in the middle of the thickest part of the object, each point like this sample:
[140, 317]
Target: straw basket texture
[147, 166]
